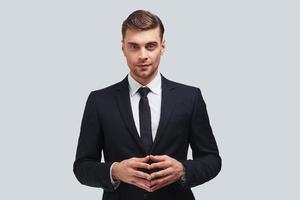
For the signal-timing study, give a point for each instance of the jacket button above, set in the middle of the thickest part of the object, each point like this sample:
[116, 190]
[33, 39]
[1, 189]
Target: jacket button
[145, 196]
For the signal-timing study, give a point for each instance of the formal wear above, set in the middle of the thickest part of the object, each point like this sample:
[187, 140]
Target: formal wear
[154, 98]
[108, 125]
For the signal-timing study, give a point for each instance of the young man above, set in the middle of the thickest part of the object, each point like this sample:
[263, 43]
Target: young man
[144, 125]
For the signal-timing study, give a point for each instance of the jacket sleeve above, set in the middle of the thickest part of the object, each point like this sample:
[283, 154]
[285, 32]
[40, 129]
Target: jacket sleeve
[206, 163]
[87, 167]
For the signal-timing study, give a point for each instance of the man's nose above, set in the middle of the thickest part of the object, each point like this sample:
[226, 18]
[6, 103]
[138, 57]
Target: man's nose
[143, 54]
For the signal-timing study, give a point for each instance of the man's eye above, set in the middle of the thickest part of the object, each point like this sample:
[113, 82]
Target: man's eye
[133, 46]
[151, 46]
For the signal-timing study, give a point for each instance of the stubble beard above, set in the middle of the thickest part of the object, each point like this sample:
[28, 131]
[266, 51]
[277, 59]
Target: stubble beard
[144, 77]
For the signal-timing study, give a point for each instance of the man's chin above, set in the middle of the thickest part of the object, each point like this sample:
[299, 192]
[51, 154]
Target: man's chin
[144, 74]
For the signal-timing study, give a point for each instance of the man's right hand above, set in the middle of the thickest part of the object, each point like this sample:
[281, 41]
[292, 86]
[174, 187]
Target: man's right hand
[128, 171]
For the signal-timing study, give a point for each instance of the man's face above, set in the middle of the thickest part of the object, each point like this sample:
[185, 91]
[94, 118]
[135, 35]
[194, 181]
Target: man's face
[142, 50]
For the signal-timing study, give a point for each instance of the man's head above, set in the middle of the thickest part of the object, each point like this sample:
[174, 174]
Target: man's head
[143, 44]
[142, 20]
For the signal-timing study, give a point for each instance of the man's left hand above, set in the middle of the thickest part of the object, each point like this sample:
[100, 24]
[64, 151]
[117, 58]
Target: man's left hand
[171, 171]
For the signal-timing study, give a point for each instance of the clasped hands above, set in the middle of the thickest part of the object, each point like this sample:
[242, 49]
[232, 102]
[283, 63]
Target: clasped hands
[167, 171]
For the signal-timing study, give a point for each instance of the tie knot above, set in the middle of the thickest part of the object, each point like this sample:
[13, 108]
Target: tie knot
[143, 91]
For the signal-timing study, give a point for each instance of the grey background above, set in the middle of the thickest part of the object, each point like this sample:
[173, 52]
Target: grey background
[244, 55]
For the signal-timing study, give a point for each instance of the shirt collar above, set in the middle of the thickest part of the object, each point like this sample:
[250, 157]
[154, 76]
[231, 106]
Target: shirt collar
[154, 85]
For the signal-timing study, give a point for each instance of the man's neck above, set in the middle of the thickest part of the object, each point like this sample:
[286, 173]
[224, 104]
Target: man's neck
[144, 82]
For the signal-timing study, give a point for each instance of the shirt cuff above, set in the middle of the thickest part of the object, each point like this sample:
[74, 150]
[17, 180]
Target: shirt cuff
[114, 183]
[182, 179]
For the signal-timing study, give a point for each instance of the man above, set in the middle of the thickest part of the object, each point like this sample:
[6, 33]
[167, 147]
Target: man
[144, 125]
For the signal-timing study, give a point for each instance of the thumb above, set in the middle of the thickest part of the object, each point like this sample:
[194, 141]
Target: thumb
[157, 158]
[144, 159]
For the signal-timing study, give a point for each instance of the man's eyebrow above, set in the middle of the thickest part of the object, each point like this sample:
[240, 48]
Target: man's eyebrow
[154, 42]
[132, 43]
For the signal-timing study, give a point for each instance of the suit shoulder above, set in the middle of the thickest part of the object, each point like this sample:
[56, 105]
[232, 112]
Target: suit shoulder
[107, 91]
[186, 92]
[184, 87]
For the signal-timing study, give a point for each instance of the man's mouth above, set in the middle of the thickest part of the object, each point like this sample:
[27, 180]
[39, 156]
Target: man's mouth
[143, 65]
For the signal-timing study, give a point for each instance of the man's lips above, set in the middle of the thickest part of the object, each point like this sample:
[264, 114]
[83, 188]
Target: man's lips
[144, 65]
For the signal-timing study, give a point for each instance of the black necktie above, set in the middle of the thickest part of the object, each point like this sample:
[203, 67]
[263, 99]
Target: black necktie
[145, 119]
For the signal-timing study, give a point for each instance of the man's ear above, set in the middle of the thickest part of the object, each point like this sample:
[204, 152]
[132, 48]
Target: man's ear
[122, 46]
[163, 45]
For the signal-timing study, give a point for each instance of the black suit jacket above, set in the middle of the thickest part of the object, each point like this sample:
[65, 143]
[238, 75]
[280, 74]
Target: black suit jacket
[108, 126]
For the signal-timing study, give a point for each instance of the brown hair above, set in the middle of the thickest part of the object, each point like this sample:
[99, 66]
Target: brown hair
[142, 20]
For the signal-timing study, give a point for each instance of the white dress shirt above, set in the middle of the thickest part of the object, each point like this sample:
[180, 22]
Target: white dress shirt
[154, 98]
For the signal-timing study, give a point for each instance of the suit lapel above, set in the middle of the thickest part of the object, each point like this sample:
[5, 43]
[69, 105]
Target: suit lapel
[168, 102]
[124, 104]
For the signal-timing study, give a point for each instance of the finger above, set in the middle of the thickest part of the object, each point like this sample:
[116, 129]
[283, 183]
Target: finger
[140, 165]
[157, 187]
[157, 158]
[161, 173]
[141, 183]
[142, 186]
[159, 181]
[144, 159]
[162, 182]
[160, 165]
[142, 175]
